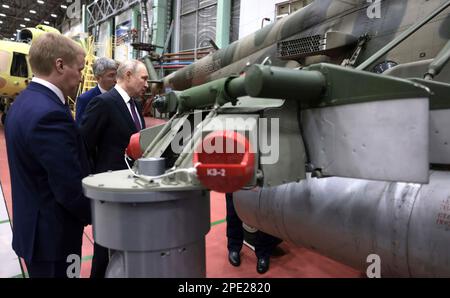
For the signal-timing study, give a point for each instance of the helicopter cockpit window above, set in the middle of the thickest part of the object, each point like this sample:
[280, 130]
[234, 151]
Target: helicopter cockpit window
[25, 35]
[19, 66]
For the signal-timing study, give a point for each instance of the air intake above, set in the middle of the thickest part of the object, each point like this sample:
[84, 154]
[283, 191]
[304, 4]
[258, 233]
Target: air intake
[314, 45]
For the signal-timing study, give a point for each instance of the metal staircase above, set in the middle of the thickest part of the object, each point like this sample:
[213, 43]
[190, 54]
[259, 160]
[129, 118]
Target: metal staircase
[88, 80]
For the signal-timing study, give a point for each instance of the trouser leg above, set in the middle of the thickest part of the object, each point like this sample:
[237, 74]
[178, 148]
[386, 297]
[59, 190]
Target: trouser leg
[100, 261]
[235, 232]
[265, 244]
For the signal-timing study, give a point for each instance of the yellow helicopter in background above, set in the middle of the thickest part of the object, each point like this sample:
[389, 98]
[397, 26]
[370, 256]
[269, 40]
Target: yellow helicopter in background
[15, 70]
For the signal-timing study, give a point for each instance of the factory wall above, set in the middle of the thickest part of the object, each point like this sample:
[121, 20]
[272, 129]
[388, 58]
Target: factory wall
[252, 13]
[246, 18]
[104, 40]
[123, 49]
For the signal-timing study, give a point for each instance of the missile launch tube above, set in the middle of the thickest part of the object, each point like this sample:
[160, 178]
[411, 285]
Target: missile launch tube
[204, 95]
[260, 81]
[236, 87]
[406, 225]
[284, 83]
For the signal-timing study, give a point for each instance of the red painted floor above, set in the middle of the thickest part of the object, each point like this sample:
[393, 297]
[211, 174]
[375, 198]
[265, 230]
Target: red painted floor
[293, 261]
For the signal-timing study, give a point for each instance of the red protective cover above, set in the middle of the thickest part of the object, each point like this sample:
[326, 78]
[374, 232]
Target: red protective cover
[224, 170]
[134, 149]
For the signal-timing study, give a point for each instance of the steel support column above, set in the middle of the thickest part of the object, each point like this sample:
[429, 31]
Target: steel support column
[223, 23]
[160, 24]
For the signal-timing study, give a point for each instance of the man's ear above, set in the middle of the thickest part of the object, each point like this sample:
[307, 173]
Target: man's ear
[128, 75]
[59, 64]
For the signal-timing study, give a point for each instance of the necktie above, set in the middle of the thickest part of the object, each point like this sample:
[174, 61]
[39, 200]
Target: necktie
[67, 107]
[136, 120]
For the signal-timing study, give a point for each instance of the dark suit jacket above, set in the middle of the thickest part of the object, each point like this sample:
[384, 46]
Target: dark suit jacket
[106, 128]
[83, 100]
[47, 161]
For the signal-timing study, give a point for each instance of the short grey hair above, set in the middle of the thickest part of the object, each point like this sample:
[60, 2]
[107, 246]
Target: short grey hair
[101, 65]
[128, 65]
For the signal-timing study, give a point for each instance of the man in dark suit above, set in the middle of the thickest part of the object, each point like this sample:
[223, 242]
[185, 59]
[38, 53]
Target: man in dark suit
[107, 125]
[47, 160]
[264, 243]
[105, 72]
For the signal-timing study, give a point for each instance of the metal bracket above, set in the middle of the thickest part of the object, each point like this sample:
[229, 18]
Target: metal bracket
[361, 43]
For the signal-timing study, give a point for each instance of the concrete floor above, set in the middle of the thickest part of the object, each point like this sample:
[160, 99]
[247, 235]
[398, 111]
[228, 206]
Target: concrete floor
[291, 261]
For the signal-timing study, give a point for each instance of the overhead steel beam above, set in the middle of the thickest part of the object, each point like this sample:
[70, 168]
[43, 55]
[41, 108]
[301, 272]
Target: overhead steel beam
[101, 10]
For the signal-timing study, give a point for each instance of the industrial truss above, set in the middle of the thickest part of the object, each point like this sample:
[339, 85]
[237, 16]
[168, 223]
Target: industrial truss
[99, 11]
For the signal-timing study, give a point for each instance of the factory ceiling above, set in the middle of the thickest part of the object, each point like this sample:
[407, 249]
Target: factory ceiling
[19, 14]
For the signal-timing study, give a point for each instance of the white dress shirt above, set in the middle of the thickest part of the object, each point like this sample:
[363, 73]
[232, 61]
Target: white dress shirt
[52, 87]
[101, 89]
[126, 98]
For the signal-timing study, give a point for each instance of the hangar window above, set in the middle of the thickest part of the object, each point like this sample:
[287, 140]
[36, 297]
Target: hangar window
[19, 67]
[197, 23]
[235, 17]
[285, 8]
